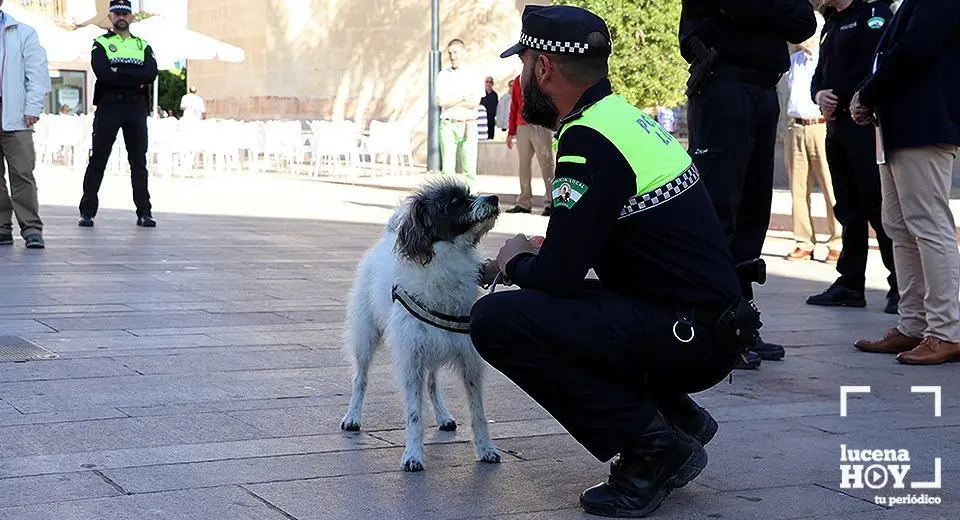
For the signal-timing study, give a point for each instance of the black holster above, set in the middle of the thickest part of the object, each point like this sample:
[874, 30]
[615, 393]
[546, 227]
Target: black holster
[702, 67]
[737, 327]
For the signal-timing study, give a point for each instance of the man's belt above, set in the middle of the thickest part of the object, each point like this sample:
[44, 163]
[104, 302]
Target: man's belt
[662, 194]
[807, 122]
[458, 324]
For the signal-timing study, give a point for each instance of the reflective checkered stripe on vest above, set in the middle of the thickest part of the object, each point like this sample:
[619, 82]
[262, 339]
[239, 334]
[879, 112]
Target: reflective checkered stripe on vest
[662, 167]
[130, 51]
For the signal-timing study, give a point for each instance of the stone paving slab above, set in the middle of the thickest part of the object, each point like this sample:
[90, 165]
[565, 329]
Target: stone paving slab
[200, 375]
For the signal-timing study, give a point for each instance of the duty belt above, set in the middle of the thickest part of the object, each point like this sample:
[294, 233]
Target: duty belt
[458, 324]
[662, 194]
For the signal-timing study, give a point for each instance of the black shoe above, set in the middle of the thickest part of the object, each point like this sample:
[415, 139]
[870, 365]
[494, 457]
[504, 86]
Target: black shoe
[547, 211]
[6, 239]
[146, 221]
[86, 221]
[748, 361]
[767, 351]
[35, 241]
[641, 478]
[893, 302]
[518, 209]
[838, 296]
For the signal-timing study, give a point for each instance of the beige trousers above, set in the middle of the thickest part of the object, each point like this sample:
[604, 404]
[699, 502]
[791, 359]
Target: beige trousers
[806, 157]
[17, 155]
[535, 140]
[916, 185]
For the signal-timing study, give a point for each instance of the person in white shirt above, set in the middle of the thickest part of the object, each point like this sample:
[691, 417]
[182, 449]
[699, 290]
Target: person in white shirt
[459, 91]
[503, 108]
[805, 153]
[193, 106]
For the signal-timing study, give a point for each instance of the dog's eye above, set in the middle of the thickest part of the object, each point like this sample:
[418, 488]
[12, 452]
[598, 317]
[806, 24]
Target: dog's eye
[455, 201]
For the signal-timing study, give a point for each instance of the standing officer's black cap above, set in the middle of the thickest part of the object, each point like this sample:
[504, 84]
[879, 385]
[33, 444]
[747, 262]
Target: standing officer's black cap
[560, 29]
[121, 6]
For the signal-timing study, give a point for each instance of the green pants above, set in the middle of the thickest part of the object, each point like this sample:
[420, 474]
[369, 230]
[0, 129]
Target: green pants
[460, 137]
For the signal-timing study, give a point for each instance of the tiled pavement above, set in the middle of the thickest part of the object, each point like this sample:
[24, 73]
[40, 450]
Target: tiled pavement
[199, 376]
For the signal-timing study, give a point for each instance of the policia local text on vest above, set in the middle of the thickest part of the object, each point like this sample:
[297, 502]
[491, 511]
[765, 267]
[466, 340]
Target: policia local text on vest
[125, 68]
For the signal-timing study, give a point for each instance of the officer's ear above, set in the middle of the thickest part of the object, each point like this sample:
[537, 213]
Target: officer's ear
[413, 235]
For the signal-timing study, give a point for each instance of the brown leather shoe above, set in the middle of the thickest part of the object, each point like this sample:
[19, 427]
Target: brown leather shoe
[893, 342]
[800, 254]
[832, 257]
[931, 351]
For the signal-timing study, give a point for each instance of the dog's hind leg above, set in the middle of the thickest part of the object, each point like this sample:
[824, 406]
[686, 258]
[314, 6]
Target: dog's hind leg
[361, 338]
[444, 417]
[472, 368]
[410, 371]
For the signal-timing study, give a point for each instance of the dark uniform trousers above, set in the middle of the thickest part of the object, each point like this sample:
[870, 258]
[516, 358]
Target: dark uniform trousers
[851, 154]
[733, 135]
[601, 364]
[112, 115]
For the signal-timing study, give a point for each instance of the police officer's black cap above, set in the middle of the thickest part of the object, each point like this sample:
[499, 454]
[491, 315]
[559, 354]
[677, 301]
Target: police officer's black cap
[121, 6]
[560, 29]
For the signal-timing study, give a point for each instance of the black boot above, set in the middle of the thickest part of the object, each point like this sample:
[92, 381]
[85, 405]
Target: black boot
[893, 300]
[748, 361]
[642, 477]
[687, 415]
[767, 351]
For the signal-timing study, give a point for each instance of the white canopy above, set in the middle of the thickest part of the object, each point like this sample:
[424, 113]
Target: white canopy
[172, 43]
[61, 45]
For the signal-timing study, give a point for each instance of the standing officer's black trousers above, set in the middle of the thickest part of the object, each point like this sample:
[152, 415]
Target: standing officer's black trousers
[733, 135]
[112, 115]
[852, 156]
[601, 364]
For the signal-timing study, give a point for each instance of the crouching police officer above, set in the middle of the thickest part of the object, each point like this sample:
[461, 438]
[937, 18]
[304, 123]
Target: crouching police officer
[614, 359]
[125, 67]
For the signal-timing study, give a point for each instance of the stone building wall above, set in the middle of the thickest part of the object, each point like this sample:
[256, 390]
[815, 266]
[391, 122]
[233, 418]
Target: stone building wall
[349, 59]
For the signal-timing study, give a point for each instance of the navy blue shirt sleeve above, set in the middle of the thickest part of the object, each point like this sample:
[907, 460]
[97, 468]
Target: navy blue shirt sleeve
[588, 198]
[792, 19]
[931, 25]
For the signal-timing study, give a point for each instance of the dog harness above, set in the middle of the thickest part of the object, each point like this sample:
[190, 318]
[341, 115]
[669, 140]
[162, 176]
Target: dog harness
[458, 324]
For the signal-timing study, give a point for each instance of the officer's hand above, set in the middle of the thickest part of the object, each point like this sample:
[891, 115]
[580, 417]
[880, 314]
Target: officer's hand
[861, 114]
[30, 120]
[490, 270]
[515, 246]
[827, 100]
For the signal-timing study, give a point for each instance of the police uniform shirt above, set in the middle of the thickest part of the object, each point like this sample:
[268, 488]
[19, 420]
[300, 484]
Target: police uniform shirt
[134, 61]
[747, 33]
[847, 47]
[673, 252]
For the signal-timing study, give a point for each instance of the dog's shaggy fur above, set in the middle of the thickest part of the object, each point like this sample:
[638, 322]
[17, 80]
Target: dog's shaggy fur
[429, 250]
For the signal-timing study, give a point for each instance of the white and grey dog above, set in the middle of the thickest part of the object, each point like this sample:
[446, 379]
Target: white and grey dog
[413, 292]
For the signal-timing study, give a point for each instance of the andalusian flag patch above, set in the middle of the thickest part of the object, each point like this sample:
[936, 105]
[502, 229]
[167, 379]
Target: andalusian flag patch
[567, 191]
[876, 22]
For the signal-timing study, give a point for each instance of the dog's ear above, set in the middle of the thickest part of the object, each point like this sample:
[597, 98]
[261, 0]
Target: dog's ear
[413, 238]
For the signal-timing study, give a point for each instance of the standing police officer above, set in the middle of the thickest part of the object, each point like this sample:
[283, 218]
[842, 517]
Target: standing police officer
[614, 359]
[738, 51]
[850, 38]
[125, 67]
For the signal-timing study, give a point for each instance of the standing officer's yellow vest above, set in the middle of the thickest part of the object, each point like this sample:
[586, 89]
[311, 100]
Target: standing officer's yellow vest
[129, 51]
[655, 156]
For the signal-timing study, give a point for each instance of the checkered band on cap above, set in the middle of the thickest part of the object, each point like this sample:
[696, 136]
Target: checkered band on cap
[545, 45]
[658, 196]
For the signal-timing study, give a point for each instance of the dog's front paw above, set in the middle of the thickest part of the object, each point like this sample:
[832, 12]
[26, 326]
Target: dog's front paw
[350, 423]
[489, 454]
[411, 463]
[449, 426]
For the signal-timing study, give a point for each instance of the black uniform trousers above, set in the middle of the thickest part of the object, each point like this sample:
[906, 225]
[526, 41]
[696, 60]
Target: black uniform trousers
[852, 156]
[112, 115]
[601, 364]
[733, 135]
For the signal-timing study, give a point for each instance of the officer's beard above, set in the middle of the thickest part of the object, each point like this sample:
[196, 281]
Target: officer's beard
[121, 25]
[538, 109]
